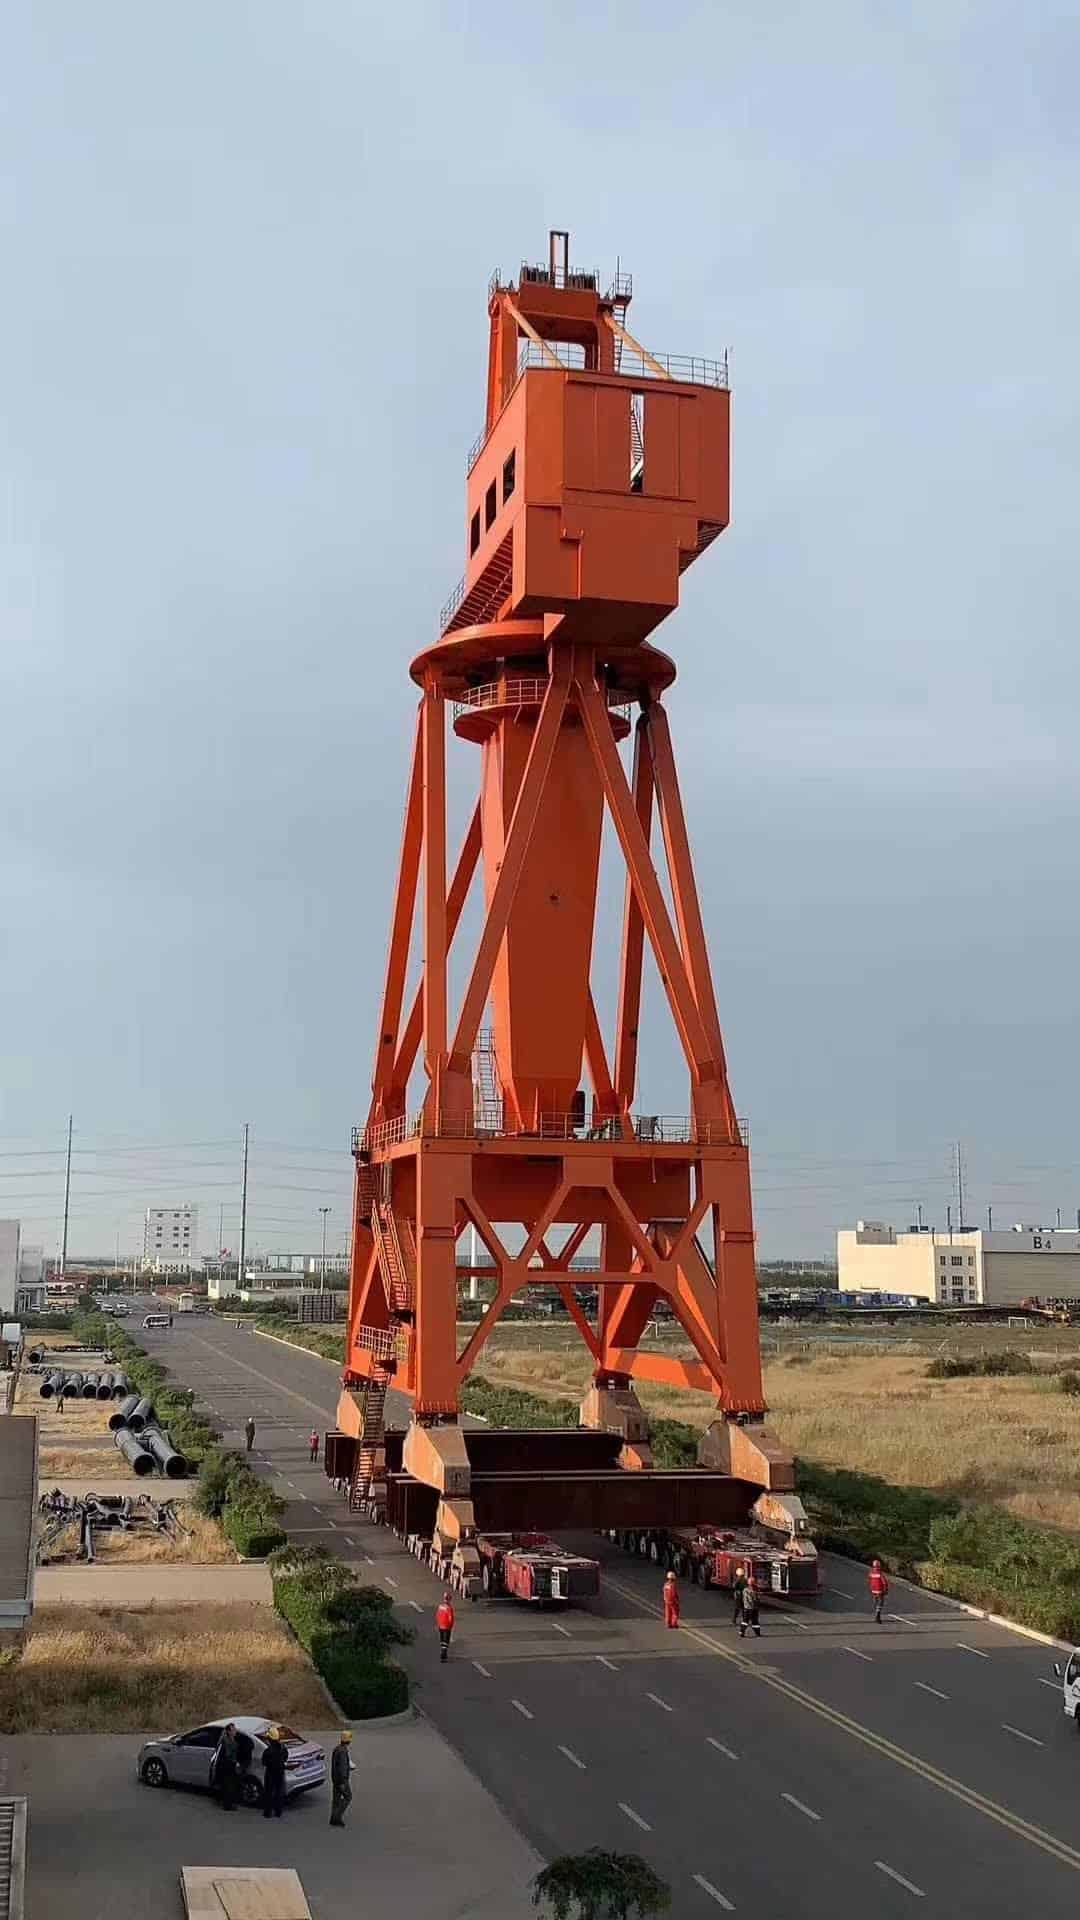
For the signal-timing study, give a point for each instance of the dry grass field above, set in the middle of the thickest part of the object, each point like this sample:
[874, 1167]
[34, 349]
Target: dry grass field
[78, 1440]
[156, 1671]
[868, 1405]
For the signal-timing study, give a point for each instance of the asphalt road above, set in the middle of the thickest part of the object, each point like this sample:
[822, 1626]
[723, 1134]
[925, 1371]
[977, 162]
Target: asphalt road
[833, 1765]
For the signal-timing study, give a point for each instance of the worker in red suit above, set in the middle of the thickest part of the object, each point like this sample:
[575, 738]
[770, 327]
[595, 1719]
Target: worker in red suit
[672, 1605]
[879, 1587]
[444, 1620]
[313, 1443]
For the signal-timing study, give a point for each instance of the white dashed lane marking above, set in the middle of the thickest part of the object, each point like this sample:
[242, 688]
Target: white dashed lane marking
[523, 1710]
[573, 1759]
[899, 1878]
[481, 1669]
[635, 1817]
[800, 1806]
[714, 1893]
[1021, 1735]
[720, 1747]
[936, 1691]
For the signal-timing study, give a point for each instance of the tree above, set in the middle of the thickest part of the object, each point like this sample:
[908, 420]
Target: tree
[600, 1886]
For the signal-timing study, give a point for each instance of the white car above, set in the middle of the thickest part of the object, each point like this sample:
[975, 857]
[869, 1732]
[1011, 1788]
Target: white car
[1070, 1687]
[186, 1759]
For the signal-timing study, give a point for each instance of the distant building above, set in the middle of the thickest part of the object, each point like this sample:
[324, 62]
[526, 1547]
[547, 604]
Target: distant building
[171, 1238]
[977, 1267]
[30, 1286]
[9, 1266]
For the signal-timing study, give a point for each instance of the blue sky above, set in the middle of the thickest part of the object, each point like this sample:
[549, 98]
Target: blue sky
[246, 252]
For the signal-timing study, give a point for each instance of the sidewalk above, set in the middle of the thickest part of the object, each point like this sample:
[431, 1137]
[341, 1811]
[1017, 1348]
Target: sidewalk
[423, 1838]
[151, 1585]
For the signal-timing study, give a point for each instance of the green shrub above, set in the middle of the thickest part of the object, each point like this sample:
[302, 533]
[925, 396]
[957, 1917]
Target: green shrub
[253, 1534]
[511, 1407]
[364, 1689]
[987, 1366]
[347, 1629]
[674, 1443]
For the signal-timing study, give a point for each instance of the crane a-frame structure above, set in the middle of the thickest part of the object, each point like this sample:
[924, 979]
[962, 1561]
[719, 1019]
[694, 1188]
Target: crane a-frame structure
[601, 475]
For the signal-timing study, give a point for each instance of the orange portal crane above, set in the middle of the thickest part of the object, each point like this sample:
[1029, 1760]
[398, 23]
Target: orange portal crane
[601, 475]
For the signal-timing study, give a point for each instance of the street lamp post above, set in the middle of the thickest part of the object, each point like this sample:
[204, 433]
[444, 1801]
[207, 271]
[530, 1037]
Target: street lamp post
[322, 1279]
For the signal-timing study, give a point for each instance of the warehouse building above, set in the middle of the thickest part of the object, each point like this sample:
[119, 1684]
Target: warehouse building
[975, 1267]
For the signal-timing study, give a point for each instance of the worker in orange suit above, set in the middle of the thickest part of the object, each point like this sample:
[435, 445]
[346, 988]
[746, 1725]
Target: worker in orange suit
[444, 1620]
[672, 1604]
[879, 1587]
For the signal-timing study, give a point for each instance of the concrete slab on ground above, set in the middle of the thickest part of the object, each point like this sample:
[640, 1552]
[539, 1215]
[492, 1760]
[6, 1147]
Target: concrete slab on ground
[423, 1838]
[151, 1585]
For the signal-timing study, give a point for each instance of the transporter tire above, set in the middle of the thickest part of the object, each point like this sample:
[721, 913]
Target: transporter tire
[643, 1545]
[485, 1578]
[654, 1550]
[701, 1573]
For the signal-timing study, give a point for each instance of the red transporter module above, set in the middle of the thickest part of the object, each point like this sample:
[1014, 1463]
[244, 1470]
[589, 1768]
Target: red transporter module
[601, 475]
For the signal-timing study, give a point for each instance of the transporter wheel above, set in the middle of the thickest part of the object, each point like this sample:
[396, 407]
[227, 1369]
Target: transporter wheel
[154, 1774]
[701, 1573]
[643, 1545]
[654, 1551]
[485, 1577]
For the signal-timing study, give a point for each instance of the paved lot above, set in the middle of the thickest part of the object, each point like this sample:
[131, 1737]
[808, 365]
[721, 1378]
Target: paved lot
[831, 1766]
[424, 1842]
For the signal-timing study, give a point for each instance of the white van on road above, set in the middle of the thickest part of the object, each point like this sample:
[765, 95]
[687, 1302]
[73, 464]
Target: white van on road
[1070, 1687]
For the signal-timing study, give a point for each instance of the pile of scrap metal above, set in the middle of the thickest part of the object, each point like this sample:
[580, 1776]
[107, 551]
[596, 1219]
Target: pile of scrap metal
[60, 1511]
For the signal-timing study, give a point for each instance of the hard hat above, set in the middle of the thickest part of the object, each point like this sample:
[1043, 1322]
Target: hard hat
[877, 1562]
[273, 1733]
[347, 1735]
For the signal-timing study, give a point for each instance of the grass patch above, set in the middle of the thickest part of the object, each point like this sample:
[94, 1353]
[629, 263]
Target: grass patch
[85, 1670]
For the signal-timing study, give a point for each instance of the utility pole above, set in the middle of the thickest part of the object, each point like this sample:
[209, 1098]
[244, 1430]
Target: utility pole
[919, 1215]
[243, 1214]
[960, 1185]
[322, 1281]
[989, 1219]
[67, 1203]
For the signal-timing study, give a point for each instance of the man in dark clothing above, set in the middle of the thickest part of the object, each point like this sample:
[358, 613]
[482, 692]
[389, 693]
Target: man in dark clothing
[275, 1754]
[227, 1767]
[737, 1585]
[341, 1767]
[249, 1432]
[749, 1615]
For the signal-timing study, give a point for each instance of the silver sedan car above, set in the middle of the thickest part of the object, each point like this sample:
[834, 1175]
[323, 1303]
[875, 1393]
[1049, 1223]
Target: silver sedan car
[187, 1759]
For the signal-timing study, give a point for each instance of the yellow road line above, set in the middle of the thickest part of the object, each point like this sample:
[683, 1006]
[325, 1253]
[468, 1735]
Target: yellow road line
[934, 1776]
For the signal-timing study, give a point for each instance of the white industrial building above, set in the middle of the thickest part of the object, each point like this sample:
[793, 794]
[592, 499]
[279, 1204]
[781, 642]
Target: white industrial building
[30, 1286]
[973, 1267]
[9, 1266]
[171, 1238]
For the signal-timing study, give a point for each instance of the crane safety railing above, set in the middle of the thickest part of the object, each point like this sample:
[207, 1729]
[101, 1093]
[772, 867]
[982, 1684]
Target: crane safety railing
[631, 363]
[653, 1128]
[524, 690]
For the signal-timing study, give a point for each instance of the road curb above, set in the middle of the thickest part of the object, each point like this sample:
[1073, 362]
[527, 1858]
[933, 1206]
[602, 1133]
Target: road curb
[481, 1419]
[965, 1606]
